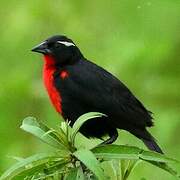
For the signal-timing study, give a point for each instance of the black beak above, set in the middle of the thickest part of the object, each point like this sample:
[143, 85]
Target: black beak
[41, 48]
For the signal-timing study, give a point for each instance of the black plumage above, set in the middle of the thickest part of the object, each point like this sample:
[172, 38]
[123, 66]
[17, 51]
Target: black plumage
[90, 88]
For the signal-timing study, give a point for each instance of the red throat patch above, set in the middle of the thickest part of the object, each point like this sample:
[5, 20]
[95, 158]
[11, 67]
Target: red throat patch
[49, 60]
[48, 72]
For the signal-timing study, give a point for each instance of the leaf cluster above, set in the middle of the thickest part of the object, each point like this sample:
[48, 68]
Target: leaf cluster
[70, 162]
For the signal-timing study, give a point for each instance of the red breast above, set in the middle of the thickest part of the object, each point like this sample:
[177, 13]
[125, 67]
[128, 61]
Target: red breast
[48, 72]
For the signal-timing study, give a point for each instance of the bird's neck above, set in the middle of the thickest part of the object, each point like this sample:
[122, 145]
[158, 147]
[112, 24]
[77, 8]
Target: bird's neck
[49, 61]
[70, 58]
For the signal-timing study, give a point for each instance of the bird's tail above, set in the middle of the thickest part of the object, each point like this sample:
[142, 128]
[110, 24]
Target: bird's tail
[152, 145]
[148, 139]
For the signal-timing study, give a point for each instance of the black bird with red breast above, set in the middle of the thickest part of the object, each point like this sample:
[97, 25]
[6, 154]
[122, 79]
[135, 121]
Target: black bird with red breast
[77, 86]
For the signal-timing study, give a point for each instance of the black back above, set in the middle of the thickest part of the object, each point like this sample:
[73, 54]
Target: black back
[91, 88]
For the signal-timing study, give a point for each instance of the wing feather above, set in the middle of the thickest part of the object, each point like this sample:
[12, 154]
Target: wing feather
[105, 93]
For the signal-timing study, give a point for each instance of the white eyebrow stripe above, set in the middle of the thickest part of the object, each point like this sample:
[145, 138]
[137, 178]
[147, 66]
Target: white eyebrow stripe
[66, 43]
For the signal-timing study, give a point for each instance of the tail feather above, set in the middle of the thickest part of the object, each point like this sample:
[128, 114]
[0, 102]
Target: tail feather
[152, 145]
[148, 139]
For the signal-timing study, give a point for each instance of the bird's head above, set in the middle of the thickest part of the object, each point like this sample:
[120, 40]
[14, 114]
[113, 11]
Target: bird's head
[60, 49]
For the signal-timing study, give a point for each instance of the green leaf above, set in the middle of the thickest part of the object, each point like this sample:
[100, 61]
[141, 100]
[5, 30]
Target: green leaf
[131, 165]
[165, 167]
[41, 131]
[66, 130]
[116, 152]
[109, 152]
[123, 166]
[154, 156]
[17, 158]
[31, 164]
[116, 166]
[81, 120]
[75, 174]
[129, 152]
[90, 161]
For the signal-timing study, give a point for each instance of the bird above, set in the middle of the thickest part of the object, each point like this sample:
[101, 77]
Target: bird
[76, 86]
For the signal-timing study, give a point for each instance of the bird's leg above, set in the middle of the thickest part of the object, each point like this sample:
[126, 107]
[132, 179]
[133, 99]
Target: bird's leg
[113, 135]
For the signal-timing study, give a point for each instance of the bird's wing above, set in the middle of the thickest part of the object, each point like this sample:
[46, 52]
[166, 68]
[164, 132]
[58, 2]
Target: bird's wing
[105, 93]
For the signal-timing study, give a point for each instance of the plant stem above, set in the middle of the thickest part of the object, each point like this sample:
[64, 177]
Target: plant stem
[130, 167]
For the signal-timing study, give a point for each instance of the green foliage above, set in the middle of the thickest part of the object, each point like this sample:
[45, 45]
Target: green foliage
[44, 133]
[69, 162]
[138, 41]
[81, 120]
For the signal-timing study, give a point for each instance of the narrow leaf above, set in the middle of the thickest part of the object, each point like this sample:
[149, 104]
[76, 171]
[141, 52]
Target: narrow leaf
[131, 165]
[116, 165]
[129, 152]
[81, 120]
[90, 161]
[154, 156]
[116, 152]
[123, 167]
[17, 158]
[165, 167]
[41, 131]
[35, 162]
[75, 174]
[109, 152]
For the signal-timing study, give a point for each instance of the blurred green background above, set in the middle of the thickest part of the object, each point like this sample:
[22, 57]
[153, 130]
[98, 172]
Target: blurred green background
[138, 41]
